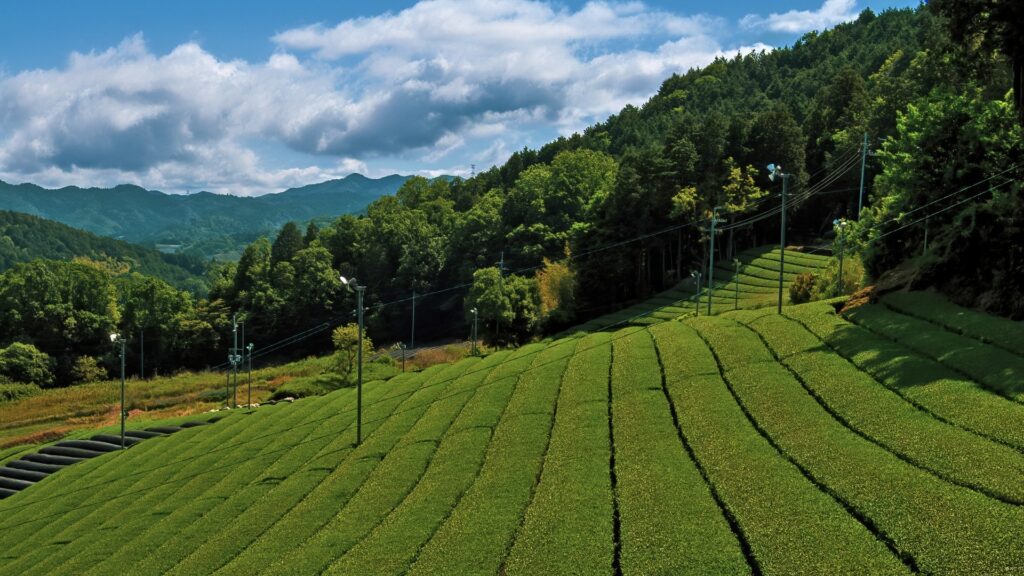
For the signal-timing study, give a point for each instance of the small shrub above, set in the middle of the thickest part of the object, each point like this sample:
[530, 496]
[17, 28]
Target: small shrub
[87, 369]
[801, 289]
[26, 364]
[11, 391]
[853, 278]
[217, 395]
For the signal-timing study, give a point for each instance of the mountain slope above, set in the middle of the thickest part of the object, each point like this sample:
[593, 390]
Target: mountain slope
[149, 217]
[24, 237]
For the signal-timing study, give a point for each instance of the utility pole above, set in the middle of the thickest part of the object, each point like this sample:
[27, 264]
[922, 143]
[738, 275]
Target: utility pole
[840, 225]
[475, 316]
[696, 275]
[412, 335]
[736, 282]
[359, 380]
[116, 339]
[249, 350]
[711, 260]
[501, 290]
[863, 163]
[142, 353]
[925, 248]
[775, 171]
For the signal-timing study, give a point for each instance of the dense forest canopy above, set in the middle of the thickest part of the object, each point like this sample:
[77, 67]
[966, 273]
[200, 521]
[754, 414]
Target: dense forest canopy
[24, 238]
[621, 210]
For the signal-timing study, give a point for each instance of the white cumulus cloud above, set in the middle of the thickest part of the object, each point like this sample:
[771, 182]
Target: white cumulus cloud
[830, 13]
[419, 86]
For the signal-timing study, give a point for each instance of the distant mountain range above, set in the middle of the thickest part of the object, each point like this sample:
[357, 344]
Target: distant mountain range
[203, 223]
[24, 238]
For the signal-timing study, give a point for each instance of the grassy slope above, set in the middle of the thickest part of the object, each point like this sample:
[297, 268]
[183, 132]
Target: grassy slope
[745, 442]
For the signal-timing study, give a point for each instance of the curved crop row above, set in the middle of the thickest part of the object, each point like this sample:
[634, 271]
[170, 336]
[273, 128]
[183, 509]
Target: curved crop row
[180, 511]
[393, 545]
[944, 528]
[670, 523]
[388, 482]
[923, 382]
[881, 414]
[252, 495]
[315, 499]
[963, 354]
[790, 526]
[477, 535]
[97, 490]
[568, 527]
[985, 328]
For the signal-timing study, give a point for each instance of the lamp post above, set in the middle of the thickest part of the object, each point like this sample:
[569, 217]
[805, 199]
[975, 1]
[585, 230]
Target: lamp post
[401, 346]
[359, 355]
[775, 171]
[736, 282]
[696, 275]
[249, 349]
[840, 224]
[412, 333]
[711, 260]
[475, 315]
[116, 339]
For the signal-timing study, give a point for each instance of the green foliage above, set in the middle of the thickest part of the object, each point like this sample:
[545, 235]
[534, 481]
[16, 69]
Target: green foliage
[669, 520]
[346, 345]
[522, 461]
[801, 288]
[288, 242]
[827, 284]
[12, 391]
[25, 364]
[945, 143]
[556, 289]
[24, 238]
[507, 303]
[202, 226]
[963, 354]
[87, 369]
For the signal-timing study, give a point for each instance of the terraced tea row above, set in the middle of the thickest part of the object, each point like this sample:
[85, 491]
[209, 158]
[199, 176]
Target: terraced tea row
[734, 444]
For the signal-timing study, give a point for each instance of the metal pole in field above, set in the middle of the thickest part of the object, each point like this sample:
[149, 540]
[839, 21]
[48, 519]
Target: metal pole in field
[359, 380]
[775, 171]
[711, 260]
[473, 332]
[412, 335]
[401, 346]
[863, 162]
[840, 225]
[696, 275]
[142, 353]
[736, 282]
[122, 392]
[925, 250]
[249, 349]
[234, 356]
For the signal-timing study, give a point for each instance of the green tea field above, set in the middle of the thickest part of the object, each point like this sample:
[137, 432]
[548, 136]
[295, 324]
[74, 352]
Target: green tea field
[888, 441]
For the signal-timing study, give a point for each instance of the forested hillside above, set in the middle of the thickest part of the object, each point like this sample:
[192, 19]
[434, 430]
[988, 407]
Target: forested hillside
[204, 224]
[24, 238]
[622, 210]
[592, 222]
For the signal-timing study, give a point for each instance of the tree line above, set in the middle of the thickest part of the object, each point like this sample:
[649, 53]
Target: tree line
[578, 227]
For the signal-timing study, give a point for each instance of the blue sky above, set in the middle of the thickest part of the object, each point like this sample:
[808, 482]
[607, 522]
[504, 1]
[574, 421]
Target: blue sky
[249, 97]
